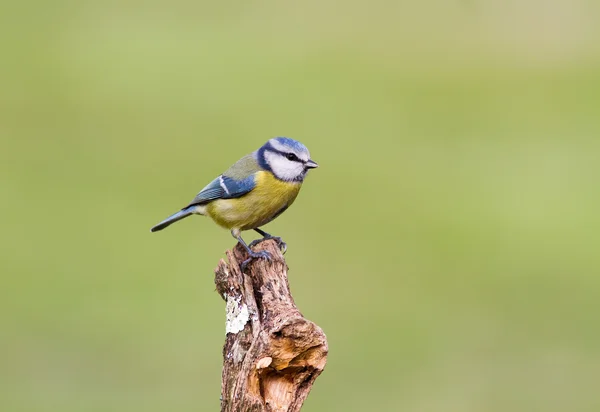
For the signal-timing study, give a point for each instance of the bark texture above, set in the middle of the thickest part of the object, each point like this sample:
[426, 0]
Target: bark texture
[272, 354]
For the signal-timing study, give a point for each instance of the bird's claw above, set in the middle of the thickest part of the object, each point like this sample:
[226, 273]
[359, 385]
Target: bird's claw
[263, 254]
[282, 245]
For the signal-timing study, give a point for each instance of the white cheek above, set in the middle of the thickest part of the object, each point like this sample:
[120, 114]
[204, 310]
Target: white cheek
[282, 167]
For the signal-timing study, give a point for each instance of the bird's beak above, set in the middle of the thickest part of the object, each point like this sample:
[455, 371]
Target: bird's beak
[311, 165]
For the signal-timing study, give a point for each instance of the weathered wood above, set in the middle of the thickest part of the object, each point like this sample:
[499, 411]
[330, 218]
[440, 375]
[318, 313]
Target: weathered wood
[272, 354]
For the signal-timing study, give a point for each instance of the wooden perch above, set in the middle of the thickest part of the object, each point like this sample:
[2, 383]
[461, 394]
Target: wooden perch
[272, 354]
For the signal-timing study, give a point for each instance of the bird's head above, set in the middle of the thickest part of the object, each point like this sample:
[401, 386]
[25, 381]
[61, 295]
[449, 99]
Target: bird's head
[288, 159]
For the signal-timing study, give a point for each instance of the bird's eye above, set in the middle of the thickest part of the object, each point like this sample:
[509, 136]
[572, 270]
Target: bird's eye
[291, 156]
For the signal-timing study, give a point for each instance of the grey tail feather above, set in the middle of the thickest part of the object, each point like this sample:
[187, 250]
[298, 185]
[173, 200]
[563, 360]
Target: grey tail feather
[172, 219]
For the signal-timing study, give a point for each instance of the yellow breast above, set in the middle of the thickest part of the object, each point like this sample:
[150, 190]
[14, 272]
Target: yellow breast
[266, 201]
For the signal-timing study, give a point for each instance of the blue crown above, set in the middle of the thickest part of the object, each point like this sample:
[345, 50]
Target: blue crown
[292, 143]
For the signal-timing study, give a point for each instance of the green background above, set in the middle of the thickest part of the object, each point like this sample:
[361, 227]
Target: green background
[448, 245]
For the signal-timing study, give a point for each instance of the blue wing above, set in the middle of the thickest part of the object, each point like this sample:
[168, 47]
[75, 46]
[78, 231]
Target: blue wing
[224, 187]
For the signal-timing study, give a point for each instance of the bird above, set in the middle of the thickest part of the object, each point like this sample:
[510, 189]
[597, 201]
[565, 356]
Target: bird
[252, 192]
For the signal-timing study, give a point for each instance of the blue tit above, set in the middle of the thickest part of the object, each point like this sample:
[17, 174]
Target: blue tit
[254, 191]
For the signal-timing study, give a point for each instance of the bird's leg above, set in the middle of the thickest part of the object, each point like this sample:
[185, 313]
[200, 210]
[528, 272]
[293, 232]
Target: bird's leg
[263, 254]
[267, 236]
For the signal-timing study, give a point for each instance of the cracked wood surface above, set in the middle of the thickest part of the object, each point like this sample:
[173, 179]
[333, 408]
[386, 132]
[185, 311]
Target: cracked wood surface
[272, 354]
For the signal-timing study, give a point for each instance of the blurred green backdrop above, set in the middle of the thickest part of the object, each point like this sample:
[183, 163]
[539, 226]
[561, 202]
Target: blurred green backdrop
[448, 244]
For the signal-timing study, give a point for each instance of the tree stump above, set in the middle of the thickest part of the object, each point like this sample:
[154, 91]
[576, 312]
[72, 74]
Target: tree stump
[272, 354]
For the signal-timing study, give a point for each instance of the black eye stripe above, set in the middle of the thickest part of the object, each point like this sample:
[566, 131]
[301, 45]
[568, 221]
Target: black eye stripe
[288, 155]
